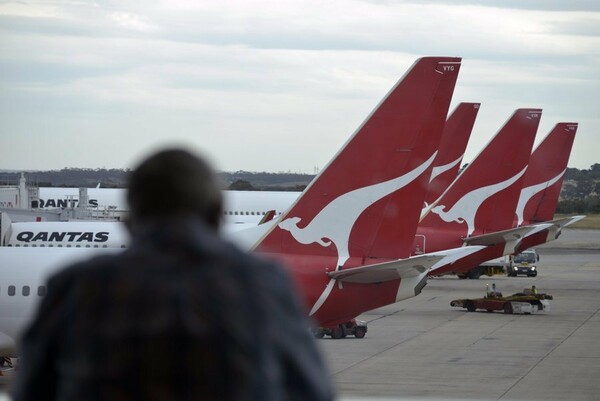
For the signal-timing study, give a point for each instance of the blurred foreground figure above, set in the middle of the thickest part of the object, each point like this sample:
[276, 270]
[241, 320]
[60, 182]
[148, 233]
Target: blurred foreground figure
[180, 315]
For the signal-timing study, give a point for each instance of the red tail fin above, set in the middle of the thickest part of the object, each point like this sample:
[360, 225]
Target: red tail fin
[484, 196]
[377, 179]
[452, 148]
[544, 177]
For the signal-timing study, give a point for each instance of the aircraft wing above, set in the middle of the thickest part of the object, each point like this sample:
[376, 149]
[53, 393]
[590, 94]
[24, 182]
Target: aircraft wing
[557, 225]
[402, 268]
[511, 238]
[498, 237]
[267, 217]
[565, 221]
[247, 238]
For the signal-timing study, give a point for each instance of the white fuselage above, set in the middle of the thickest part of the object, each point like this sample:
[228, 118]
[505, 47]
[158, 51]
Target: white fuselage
[30, 255]
[239, 207]
[24, 275]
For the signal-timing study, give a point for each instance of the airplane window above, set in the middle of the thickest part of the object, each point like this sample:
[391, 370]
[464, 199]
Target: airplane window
[34, 245]
[68, 245]
[17, 244]
[247, 214]
[104, 246]
[25, 291]
[87, 246]
[252, 213]
[60, 245]
[95, 246]
[77, 246]
[50, 245]
[236, 213]
[123, 246]
[41, 290]
[25, 245]
[42, 245]
[9, 244]
[11, 290]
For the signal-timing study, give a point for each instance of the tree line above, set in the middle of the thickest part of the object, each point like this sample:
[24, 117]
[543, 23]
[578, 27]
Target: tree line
[580, 191]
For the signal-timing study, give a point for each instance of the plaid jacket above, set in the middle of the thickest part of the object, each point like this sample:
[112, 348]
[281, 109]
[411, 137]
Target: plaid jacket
[180, 315]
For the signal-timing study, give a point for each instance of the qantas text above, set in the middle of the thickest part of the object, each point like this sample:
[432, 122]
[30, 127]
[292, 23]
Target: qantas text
[74, 236]
[64, 202]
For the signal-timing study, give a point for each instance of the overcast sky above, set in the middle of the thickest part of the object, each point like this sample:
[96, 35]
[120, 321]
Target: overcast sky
[275, 85]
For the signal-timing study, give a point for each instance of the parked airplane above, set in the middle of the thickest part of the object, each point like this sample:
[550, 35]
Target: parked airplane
[457, 131]
[353, 207]
[24, 275]
[538, 197]
[342, 239]
[239, 207]
[542, 185]
[478, 208]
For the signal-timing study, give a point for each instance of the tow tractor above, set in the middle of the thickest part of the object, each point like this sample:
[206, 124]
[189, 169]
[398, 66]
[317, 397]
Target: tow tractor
[356, 328]
[525, 302]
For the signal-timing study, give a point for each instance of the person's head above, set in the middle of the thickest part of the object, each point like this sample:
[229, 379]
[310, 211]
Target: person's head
[171, 183]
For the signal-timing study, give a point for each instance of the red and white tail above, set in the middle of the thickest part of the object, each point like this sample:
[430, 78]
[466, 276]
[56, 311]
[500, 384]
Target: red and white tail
[452, 149]
[366, 203]
[484, 196]
[544, 177]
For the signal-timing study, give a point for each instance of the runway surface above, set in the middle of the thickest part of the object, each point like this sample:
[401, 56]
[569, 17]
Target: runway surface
[423, 348]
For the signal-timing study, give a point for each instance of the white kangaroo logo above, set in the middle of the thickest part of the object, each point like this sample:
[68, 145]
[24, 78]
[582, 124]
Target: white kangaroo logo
[437, 170]
[465, 209]
[529, 192]
[334, 223]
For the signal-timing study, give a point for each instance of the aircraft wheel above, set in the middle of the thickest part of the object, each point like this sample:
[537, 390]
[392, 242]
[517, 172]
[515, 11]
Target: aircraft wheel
[336, 333]
[360, 332]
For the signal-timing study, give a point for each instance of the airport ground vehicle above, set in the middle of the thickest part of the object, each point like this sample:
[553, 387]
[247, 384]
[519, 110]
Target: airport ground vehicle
[356, 328]
[522, 302]
[524, 263]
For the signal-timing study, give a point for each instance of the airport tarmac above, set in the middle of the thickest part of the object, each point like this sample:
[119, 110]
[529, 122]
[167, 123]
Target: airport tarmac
[423, 348]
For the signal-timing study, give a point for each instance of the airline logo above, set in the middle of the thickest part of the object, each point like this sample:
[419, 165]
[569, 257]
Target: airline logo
[62, 236]
[437, 170]
[334, 223]
[66, 203]
[530, 192]
[466, 208]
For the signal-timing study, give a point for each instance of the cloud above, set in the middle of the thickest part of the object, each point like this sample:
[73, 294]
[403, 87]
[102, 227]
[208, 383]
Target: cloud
[246, 79]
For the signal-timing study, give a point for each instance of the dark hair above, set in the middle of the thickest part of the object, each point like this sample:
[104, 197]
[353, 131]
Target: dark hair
[174, 182]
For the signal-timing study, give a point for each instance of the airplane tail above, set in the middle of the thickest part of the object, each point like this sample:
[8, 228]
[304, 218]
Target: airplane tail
[544, 177]
[483, 198]
[452, 149]
[378, 178]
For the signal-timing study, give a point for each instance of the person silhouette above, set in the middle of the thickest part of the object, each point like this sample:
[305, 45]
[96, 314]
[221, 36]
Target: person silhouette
[179, 315]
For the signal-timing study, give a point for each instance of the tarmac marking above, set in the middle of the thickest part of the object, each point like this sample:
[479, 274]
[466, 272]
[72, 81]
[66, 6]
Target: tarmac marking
[548, 353]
